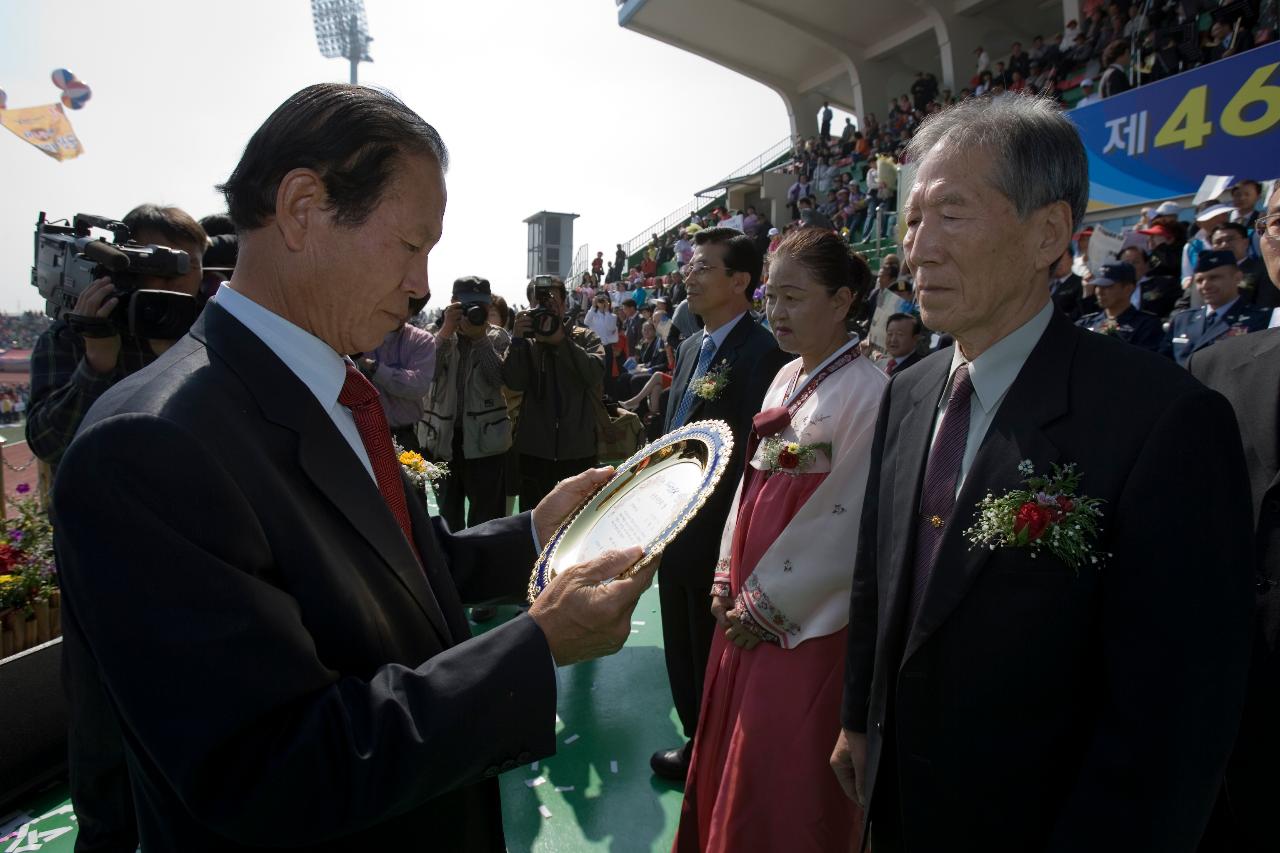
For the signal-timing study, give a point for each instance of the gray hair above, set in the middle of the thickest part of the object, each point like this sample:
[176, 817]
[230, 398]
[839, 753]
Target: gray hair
[1037, 155]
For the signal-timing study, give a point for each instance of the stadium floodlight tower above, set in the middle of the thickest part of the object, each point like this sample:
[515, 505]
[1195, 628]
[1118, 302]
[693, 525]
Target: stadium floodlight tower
[342, 29]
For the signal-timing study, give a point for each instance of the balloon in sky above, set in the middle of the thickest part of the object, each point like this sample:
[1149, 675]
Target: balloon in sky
[75, 103]
[61, 77]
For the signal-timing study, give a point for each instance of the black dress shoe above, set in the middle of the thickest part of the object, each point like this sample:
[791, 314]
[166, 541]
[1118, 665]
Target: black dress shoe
[481, 614]
[672, 764]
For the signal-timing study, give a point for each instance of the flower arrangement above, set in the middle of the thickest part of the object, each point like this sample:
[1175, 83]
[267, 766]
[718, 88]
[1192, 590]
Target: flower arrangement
[713, 382]
[29, 596]
[1048, 515]
[422, 472]
[790, 457]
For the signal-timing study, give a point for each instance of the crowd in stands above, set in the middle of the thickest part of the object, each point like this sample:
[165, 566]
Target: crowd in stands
[20, 331]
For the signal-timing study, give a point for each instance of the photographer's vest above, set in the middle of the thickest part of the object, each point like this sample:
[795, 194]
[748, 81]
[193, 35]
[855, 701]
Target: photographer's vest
[486, 425]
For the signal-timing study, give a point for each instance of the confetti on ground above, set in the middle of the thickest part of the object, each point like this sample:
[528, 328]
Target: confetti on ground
[634, 631]
[637, 623]
[570, 739]
[534, 767]
[613, 767]
[544, 811]
[558, 720]
[533, 783]
[560, 789]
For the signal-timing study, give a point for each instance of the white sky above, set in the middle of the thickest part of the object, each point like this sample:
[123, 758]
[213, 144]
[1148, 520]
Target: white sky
[548, 105]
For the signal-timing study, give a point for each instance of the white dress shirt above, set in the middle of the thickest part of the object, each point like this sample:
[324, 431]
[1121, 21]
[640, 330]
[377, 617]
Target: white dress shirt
[313, 361]
[992, 374]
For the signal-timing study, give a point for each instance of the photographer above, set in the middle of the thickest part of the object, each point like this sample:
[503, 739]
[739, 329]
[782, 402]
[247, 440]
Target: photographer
[561, 374]
[465, 422]
[70, 372]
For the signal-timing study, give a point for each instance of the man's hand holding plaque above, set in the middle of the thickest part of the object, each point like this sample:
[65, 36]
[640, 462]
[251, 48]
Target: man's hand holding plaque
[582, 617]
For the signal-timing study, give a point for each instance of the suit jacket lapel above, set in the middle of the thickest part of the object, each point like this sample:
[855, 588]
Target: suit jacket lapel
[726, 353]
[1258, 411]
[323, 454]
[684, 372]
[1037, 397]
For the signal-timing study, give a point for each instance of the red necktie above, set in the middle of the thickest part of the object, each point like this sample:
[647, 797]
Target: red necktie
[359, 395]
[893, 364]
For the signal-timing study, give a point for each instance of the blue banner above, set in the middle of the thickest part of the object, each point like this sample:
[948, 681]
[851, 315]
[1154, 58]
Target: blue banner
[1159, 141]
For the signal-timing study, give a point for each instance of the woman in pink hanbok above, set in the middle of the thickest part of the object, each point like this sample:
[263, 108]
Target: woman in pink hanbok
[759, 777]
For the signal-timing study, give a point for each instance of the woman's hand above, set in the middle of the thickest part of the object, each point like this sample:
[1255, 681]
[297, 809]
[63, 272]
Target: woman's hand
[720, 607]
[738, 634]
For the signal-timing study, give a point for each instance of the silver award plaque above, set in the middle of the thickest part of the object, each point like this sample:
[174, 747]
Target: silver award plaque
[649, 499]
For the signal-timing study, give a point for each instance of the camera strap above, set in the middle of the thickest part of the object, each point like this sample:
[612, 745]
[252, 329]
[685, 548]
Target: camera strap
[91, 327]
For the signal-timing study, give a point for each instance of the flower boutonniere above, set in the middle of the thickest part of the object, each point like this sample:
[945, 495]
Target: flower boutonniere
[1049, 514]
[791, 457]
[712, 383]
[420, 471]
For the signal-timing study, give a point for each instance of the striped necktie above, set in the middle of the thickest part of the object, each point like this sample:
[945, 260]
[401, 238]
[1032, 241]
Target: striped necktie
[705, 354]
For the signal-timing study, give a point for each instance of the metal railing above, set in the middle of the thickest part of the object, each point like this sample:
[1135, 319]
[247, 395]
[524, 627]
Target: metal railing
[763, 161]
[581, 263]
[756, 165]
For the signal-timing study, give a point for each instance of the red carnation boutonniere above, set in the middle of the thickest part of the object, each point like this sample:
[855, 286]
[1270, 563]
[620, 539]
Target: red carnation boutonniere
[1048, 514]
[790, 457]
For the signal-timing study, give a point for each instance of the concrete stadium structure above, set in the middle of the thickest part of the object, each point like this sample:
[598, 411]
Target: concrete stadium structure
[856, 54]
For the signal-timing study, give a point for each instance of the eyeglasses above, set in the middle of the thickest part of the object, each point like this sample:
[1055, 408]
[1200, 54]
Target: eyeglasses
[1269, 225]
[698, 267]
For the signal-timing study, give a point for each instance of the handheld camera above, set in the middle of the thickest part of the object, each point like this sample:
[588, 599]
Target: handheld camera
[68, 260]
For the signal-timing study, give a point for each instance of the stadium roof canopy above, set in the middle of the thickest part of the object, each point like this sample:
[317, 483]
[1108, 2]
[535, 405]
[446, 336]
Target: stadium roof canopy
[856, 54]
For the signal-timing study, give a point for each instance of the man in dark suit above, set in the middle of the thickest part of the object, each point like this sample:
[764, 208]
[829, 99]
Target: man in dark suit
[1224, 315]
[251, 584]
[1001, 695]
[1247, 373]
[1066, 288]
[740, 358]
[632, 323]
[902, 334]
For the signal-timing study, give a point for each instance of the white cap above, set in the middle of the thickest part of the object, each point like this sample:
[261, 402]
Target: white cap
[1086, 82]
[1210, 212]
[1167, 208]
[773, 232]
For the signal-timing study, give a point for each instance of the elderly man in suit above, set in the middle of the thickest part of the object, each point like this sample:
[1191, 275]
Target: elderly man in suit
[1011, 694]
[250, 579]
[743, 358]
[902, 341]
[1224, 313]
[1247, 372]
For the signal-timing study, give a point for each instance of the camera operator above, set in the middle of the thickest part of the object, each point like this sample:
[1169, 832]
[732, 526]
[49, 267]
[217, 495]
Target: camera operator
[402, 368]
[465, 422]
[70, 372]
[561, 372]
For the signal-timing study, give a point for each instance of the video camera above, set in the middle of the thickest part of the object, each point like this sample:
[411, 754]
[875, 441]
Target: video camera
[546, 321]
[68, 260]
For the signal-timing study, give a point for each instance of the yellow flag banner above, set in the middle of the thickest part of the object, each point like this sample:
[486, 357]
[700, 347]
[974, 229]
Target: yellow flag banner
[47, 128]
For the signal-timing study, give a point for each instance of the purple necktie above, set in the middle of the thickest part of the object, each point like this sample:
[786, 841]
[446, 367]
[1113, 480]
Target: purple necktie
[941, 473]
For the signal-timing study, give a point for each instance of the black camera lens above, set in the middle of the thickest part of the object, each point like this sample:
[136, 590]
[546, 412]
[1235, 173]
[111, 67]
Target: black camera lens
[477, 313]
